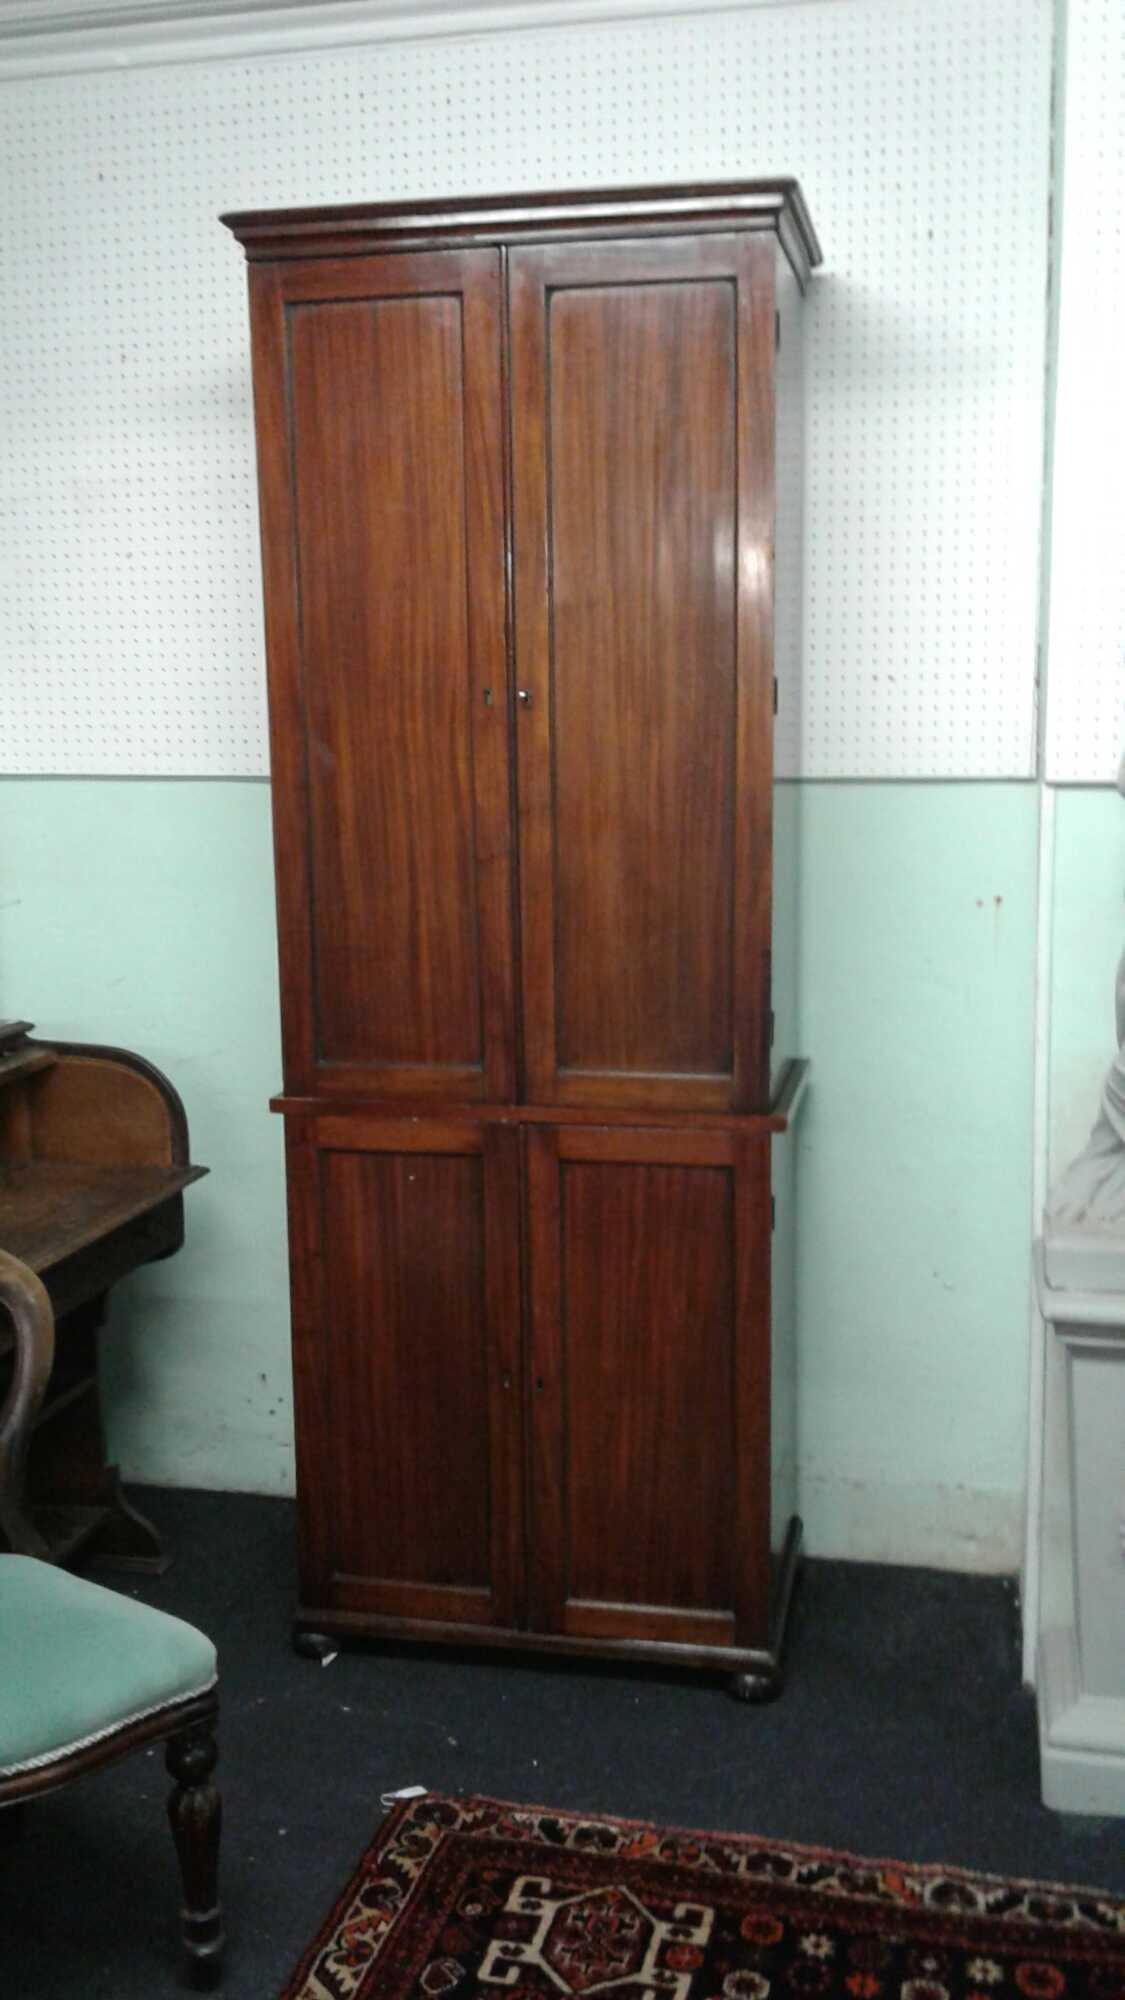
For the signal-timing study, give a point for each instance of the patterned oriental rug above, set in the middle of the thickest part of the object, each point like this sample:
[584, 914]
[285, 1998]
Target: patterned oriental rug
[470, 1899]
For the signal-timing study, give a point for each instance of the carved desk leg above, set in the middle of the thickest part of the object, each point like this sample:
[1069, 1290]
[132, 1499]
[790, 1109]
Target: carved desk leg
[195, 1812]
[68, 1469]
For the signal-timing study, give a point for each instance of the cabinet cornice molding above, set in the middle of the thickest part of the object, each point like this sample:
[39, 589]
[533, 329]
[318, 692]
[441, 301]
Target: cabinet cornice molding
[39, 38]
[362, 228]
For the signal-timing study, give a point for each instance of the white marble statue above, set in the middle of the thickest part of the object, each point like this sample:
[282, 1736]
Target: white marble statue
[1091, 1194]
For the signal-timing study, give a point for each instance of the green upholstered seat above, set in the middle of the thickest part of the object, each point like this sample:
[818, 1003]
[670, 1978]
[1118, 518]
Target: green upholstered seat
[78, 1662]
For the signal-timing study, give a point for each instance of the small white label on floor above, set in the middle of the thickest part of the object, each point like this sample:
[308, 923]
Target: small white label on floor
[407, 1792]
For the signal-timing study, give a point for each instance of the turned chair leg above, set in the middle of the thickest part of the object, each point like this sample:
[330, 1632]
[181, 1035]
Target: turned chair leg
[195, 1812]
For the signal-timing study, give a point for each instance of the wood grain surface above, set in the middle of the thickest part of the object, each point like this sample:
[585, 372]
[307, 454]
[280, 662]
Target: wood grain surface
[381, 472]
[640, 1274]
[642, 574]
[420, 1370]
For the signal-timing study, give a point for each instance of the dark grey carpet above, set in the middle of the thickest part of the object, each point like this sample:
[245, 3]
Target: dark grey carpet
[903, 1732]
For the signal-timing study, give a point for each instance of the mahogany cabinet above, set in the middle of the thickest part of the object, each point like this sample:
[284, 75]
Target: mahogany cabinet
[529, 474]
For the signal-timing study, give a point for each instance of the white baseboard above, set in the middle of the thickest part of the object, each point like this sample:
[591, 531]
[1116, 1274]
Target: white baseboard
[1081, 1736]
[936, 1527]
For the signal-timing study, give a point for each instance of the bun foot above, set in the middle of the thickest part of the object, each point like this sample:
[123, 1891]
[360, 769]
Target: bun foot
[757, 1687]
[314, 1645]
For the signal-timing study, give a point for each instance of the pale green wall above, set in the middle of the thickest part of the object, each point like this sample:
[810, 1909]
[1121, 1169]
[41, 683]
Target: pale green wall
[917, 975]
[141, 912]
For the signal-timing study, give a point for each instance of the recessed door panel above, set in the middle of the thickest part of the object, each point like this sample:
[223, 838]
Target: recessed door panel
[378, 428]
[648, 1415]
[641, 413]
[415, 1353]
[649, 1366]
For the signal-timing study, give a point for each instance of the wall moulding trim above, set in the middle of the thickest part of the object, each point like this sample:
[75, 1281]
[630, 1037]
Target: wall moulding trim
[38, 38]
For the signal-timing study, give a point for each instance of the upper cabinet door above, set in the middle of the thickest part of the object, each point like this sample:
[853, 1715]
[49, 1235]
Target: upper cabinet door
[642, 438]
[378, 383]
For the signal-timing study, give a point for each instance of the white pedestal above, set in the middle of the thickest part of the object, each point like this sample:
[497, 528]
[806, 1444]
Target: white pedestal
[1082, 1641]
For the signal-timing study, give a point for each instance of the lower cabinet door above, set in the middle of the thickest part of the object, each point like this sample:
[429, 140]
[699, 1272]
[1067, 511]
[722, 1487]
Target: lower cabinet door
[649, 1385]
[407, 1369]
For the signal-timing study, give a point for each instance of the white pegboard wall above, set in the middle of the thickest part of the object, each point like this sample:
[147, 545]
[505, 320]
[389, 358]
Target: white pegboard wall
[130, 619]
[1085, 722]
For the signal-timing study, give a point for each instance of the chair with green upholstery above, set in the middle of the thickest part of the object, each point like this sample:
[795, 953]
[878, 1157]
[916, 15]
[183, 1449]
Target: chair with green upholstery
[87, 1675]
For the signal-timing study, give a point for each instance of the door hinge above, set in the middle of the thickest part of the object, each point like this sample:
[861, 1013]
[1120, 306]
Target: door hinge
[773, 1211]
[775, 694]
[777, 330]
[773, 1024]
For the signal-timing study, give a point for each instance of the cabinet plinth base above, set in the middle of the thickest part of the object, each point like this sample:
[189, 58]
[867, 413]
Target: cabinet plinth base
[754, 1673]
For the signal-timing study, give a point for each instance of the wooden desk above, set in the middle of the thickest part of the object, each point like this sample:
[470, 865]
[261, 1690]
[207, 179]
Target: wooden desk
[93, 1163]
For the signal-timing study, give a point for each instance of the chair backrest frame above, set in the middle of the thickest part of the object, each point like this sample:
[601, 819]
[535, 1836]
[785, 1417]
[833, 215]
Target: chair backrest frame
[24, 1299]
